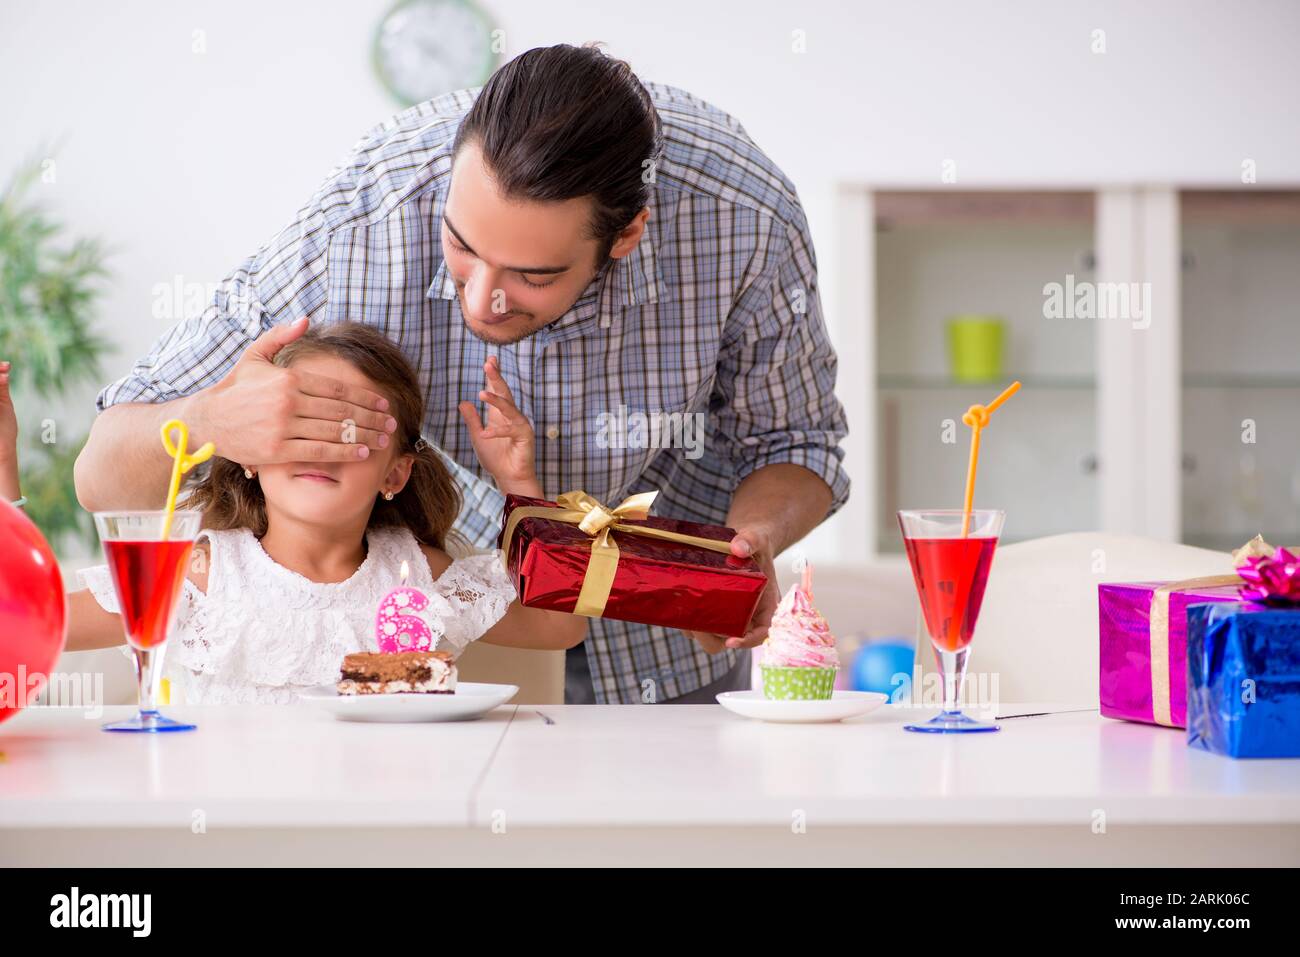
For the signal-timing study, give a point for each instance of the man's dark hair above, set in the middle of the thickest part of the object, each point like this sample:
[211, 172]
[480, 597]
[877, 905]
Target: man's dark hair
[560, 122]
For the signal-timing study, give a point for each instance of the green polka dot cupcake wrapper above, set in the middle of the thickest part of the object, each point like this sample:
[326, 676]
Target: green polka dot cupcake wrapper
[798, 684]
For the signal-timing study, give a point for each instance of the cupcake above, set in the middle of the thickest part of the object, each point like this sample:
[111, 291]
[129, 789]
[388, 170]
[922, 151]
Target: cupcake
[799, 659]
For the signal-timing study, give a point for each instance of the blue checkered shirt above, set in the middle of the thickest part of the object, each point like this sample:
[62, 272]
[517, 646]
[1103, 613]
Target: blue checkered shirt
[715, 312]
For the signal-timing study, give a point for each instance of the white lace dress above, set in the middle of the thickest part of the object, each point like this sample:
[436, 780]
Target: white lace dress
[262, 632]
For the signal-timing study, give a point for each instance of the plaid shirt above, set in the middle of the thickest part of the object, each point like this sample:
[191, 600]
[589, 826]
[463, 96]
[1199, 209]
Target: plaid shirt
[715, 312]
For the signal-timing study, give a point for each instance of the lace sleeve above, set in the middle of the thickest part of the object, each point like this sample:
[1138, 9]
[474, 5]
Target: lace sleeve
[478, 592]
[99, 580]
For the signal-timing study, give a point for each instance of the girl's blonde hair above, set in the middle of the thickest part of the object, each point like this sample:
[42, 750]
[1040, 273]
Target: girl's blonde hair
[429, 503]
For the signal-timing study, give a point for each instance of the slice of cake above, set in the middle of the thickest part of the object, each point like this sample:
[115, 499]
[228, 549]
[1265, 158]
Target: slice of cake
[409, 672]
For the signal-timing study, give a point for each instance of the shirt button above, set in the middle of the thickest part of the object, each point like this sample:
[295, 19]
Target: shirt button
[553, 432]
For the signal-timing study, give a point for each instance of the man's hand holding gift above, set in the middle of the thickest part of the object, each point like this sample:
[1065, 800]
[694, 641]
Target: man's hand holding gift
[753, 541]
[774, 507]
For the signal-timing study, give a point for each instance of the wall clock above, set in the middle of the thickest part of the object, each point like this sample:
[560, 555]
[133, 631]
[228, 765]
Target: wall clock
[424, 48]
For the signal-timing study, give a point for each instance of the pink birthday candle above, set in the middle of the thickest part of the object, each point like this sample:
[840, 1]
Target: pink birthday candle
[396, 629]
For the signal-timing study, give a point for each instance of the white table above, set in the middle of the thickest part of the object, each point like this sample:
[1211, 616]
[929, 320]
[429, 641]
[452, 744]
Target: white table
[630, 784]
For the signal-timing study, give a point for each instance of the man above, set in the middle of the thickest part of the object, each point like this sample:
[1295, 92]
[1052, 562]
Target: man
[620, 250]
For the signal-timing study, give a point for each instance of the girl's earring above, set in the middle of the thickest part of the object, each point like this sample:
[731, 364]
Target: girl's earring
[388, 496]
[248, 473]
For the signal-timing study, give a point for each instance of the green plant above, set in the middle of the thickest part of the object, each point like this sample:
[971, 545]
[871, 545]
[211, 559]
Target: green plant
[48, 294]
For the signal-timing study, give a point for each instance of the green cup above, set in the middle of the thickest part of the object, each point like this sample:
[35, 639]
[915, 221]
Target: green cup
[798, 684]
[975, 345]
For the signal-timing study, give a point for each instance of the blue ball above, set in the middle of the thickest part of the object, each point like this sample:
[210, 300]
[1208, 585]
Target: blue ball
[877, 662]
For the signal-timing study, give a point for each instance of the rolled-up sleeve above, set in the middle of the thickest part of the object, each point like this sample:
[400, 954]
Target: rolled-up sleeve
[281, 282]
[774, 400]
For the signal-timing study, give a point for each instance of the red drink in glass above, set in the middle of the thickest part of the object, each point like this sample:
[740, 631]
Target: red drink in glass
[950, 552]
[148, 577]
[950, 575]
[148, 556]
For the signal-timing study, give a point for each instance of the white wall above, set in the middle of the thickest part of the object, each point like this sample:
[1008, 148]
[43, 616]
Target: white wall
[186, 162]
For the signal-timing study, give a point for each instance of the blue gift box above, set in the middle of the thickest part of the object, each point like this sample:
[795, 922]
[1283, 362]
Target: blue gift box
[1243, 680]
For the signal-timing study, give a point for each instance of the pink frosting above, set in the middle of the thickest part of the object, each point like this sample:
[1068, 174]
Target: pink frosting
[799, 636]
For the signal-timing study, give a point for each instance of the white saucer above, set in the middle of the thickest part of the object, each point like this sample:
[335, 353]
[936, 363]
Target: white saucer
[470, 700]
[841, 705]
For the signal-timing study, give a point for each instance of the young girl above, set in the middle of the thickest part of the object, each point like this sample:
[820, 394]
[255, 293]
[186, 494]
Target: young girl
[294, 559]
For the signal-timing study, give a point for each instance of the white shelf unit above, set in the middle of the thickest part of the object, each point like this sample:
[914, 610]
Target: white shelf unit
[1240, 366]
[1124, 422]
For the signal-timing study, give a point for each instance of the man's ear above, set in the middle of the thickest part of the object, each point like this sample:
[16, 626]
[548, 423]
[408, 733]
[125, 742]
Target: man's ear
[630, 235]
[398, 474]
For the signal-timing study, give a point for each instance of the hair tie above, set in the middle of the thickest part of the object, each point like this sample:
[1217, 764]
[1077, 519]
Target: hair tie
[420, 444]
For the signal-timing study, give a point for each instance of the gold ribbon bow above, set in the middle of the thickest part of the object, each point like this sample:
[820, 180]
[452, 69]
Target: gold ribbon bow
[1161, 711]
[594, 519]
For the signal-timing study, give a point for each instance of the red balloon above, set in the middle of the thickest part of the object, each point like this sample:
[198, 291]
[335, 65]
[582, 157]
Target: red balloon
[33, 611]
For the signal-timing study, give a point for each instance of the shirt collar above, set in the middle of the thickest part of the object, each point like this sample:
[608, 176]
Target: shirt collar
[443, 286]
[635, 279]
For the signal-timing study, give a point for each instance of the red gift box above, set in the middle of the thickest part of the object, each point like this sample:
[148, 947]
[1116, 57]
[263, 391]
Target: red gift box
[576, 556]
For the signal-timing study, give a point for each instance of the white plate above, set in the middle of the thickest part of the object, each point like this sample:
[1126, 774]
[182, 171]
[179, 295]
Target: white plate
[841, 705]
[470, 700]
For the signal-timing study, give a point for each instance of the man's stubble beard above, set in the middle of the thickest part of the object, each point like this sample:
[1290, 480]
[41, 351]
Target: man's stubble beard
[509, 340]
[527, 333]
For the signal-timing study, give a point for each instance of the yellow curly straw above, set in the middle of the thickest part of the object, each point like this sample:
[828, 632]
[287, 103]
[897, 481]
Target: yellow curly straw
[977, 416]
[182, 464]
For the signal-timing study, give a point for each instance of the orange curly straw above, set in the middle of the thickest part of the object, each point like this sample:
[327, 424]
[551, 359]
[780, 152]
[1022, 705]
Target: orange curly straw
[977, 416]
